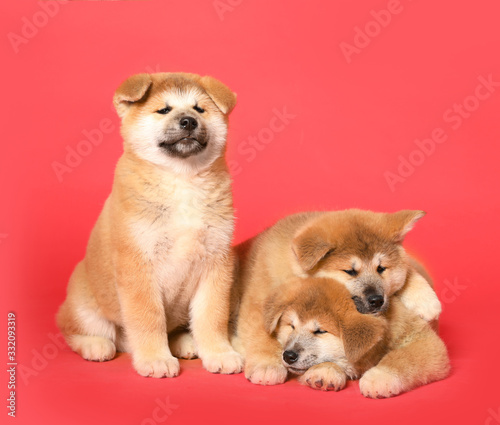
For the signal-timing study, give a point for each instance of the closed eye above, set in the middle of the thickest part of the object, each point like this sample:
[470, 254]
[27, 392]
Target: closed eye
[319, 332]
[164, 111]
[198, 109]
[351, 272]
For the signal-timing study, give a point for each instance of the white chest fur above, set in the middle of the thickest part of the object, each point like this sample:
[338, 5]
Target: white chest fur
[179, 229]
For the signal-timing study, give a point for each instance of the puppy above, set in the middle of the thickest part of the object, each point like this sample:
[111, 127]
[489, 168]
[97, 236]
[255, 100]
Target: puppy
[159, 261]
[326, 341]
[361, 249]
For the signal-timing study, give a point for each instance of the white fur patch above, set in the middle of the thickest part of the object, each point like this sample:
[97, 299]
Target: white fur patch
[95, 325]
[143, 136]
[420, 298]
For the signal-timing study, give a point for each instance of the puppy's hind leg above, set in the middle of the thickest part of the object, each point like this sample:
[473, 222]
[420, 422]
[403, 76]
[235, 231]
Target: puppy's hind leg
[86, 331]
[182, 345]
[418, 362]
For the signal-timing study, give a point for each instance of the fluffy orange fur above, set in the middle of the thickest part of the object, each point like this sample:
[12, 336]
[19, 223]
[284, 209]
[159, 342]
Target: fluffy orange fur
[159, 260]
[307, 254]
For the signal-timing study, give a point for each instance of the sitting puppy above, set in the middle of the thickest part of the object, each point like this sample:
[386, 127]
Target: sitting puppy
[361, 249]
[159, 261]
[315, 331]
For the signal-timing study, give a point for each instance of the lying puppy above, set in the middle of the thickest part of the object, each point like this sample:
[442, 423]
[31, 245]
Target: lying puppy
[159, 259]
[325, 340]
[361, 249]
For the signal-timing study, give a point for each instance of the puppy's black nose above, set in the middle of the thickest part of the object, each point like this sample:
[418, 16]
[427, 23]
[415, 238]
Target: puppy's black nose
[376, 301]
[290, 356]
[188, 123]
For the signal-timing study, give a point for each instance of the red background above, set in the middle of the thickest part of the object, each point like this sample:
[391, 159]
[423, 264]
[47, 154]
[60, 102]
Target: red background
[352, 122]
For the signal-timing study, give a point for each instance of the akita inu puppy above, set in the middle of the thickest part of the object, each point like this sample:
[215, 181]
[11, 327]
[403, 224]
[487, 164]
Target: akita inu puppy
[360, 249]
[159, 260]
[325, 340]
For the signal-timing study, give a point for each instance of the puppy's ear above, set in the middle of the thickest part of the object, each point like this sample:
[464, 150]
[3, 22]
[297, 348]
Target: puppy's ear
[131, 90]
[224, 98]
[272, 314]
[309, 248]
[274, 308]
[402, 222]
[360, 333]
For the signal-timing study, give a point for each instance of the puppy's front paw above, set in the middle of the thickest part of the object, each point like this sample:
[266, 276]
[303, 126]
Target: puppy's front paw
[380, 383]
[326, 377]
[430, 310]
[182, 346]
[419, 297]
[266, 374]
[167, 367]
[226, 362]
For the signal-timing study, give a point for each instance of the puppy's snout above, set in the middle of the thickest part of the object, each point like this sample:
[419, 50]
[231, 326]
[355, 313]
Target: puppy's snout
[375, 301]
[290, 356]
[188, 123]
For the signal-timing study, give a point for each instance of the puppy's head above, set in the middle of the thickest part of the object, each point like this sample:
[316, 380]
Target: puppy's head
[361, 249]
[315, 321]
[174, 120]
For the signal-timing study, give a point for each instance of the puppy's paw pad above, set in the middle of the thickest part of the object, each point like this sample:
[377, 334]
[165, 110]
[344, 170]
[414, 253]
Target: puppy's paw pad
[380, 383]
[324, 378]
[227, 362]
[266, 374]
[94, 348]
[160, 368]
[182, 346]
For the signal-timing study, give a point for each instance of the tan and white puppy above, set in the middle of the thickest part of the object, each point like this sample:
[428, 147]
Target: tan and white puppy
[325, 341]
[159, 261]
[360, 249]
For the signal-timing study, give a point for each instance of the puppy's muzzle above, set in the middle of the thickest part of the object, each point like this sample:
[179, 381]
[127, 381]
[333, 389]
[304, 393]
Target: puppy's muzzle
[188, 140]
[188, 123]
[372, 301]
[375, 301]
[290, 356]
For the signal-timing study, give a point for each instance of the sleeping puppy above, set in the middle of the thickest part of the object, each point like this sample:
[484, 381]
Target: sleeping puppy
[159, 261]
[326, 341]
[299, 323]
[361, 249]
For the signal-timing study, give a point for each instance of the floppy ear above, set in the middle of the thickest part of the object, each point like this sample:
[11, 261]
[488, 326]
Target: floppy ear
[360, 333]
[274, 308]
[224, 98]
[403, 221]
[309, 248]
[131, 90]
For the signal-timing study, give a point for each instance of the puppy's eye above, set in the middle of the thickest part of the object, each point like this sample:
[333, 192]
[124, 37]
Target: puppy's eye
[380, 269]
[293, 327]
[351, 272]
[319, 332]
[198, 109]
[164, 111]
